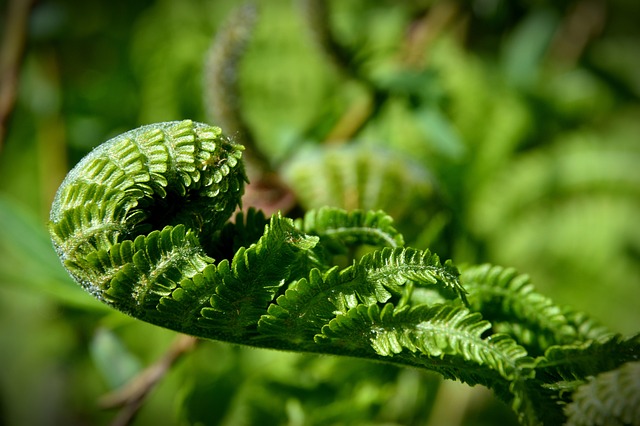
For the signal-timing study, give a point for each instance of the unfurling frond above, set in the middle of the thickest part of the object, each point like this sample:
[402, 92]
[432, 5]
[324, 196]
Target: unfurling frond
[341, 228]
[511, 303]
[222, 69]
[442, 338]
[142, 224]
[438, 332]
[309, 304]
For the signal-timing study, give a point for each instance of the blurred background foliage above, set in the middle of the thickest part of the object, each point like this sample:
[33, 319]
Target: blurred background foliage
[492, 130]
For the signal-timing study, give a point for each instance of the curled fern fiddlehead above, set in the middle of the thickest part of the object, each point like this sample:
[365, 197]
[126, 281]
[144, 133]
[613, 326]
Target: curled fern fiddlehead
[142, 223]
[137, 205]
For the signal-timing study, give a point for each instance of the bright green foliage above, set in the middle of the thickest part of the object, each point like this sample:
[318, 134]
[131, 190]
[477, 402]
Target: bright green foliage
[498, 134]
[310, 304]
[511, 303]
[340, 228]
[244, 286]
[133, 184]
[281, 288]
[438, 332]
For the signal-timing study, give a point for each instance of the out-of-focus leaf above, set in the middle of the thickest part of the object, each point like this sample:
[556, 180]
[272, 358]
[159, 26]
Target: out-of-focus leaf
[29, 262]
[116, 363]
[440, 133]
[525, 48]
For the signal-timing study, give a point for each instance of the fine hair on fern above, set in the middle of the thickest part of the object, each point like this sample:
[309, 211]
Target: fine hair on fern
[146, 224]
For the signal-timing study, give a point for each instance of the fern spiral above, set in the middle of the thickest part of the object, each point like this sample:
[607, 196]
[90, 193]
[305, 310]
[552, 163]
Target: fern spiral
[143, 224]
[139, 202]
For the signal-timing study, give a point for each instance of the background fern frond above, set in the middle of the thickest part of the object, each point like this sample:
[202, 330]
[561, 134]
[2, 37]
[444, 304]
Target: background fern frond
[586, 326]
[347, 228]
[510, 302]
[361, 177]
[222, 97]
[345, 236]
[611, 398]
[316, 13]
[574, 222]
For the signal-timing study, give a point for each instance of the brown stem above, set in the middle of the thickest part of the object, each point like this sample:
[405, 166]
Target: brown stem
[582, 23]
[132, 395]
[425, 30]
[13, 42]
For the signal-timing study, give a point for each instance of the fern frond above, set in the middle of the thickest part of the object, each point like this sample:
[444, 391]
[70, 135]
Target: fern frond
[440, 333]
[586, 326]
[222, 68]
[240, 290]
[357, 178]
[133, 275]
[83, 229]
[316, 14]
[572, 363]
[394, 267]
[303, 309]
[338, 228]
[137, 221]
[443, 338]
[611, 398]
[510, 302]
[129, 186]
[309, 304]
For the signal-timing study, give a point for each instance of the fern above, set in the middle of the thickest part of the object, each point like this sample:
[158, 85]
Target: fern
[249, 282]
[570, 364]
[312, 303]
[365, 178]
[608, 398]
[511, 303]
[355, 227]
[223, 61]
[142, 224]
[448, 340]
[439, 332]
